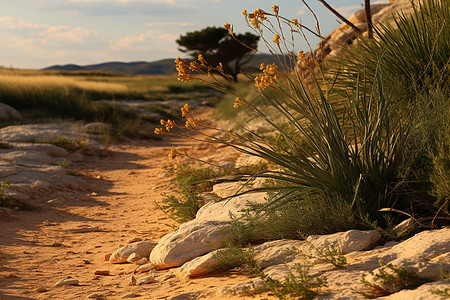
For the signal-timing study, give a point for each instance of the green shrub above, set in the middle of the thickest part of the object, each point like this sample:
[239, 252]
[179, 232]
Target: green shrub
[412, 53]
[189, 183]
[350, 148]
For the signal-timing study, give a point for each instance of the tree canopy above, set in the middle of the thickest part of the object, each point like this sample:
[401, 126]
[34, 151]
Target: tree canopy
[217, 45]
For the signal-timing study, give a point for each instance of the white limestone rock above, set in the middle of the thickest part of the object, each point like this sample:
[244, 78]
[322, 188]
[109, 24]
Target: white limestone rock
[349, 241]
[424, 292]
[201, 265]
[278, 252]
[192, 239]
[140, 249]
[220, 211]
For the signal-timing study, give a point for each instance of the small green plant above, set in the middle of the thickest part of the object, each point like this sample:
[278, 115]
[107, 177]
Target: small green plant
[189, 183]
[391, 278]
[63, 163]
[444, 292]
[3, 197]
[234, 256]
[331, 254]
[298, 284]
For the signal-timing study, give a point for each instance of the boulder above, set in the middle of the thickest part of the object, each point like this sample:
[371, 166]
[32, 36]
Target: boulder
[7, 112]
[220, 211]
[139, 249]
[192, 239]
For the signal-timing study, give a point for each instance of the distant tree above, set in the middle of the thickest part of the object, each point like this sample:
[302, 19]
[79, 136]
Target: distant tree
[217, 45]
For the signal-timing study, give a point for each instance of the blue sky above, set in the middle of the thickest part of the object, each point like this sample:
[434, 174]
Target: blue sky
[39, 33]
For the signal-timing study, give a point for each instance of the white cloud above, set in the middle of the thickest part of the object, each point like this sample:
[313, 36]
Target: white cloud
[119, 7]
[15, 24]
[176, 24]
[145, 41]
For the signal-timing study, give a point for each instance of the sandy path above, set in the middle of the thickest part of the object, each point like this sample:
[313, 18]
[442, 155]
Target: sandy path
[38, 249]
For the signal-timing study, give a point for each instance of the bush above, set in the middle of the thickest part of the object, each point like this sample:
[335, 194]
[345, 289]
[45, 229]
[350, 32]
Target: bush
[412, 52]
[350, 148]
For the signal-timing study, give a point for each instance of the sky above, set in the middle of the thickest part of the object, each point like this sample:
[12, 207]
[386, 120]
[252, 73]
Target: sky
[40, 33]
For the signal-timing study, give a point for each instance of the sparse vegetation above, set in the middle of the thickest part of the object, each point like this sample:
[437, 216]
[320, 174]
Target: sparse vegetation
[390, 278]
[354, 150]
[297, 284]
[3, 197]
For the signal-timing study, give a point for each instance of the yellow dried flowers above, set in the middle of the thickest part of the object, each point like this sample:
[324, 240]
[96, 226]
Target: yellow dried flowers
[269, 76]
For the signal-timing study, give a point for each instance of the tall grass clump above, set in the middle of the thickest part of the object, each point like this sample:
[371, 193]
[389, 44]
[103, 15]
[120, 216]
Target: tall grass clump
[412, 50]
[346, 151]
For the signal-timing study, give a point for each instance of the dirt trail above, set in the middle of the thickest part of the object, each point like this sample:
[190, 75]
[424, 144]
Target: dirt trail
[38, 249]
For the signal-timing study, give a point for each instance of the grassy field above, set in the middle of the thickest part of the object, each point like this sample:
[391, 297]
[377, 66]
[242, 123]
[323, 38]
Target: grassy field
[95, 96]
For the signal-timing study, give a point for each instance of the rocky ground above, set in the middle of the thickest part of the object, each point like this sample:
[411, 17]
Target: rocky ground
[94, 231]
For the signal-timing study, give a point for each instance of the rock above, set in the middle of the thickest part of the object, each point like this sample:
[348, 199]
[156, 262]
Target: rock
[67, 281]
[75, 157]
[97, 296]
[8, 113]
[41, 290]
[186, 296]
[220, 211]
[16, 195]
[49, 149]
[192, 239]
[424, 292]
[245, 160]
[228, 189]
[349, 241]
[277, 252]
[97, 128]
[102, 272]
[131, 295]
[133, 257]
[145, 268]
[141, 261]
[146, 279]
[240, 288]
[404, 226]
[200, 265]
[133, 280]
[141, 249]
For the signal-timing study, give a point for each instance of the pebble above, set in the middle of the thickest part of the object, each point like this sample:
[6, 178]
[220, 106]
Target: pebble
[145, 268]
[133, 280]
[96, 296]
[87, 262]
[67, 281]
[146, 279]
[41, 290]
[131, 295]
[103, 273]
